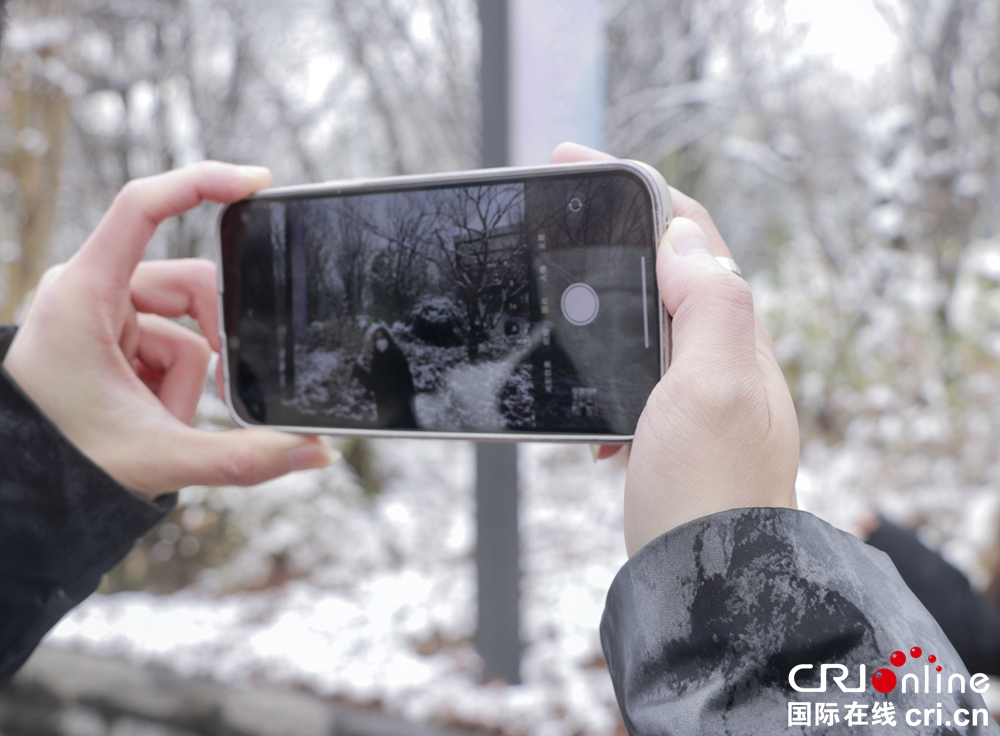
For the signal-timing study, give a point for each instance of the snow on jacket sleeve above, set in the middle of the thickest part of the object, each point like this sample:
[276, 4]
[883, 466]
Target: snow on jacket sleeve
[64, 522]
[704, 624]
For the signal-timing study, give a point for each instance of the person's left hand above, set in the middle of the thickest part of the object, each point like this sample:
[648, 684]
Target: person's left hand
[100, 355]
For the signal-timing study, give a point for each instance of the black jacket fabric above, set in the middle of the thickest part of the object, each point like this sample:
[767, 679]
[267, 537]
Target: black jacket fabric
[704, 624]
[64, 522]
[967, 618]
[392, 383]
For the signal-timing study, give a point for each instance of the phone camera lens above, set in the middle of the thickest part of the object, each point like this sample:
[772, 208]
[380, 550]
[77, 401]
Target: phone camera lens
[575, 205]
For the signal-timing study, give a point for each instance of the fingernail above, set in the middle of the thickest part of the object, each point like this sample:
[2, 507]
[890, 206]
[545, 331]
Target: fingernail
[254, 172]
[686, 237]
[595, 452]
[312, 455]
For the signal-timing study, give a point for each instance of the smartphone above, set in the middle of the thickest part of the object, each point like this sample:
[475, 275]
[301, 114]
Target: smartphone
[510, 304]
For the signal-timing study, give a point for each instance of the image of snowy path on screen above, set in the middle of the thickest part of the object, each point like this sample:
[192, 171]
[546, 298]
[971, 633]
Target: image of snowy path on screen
[442, 309]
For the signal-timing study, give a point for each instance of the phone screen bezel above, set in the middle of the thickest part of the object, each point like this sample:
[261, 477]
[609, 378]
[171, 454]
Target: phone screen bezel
[659, 197]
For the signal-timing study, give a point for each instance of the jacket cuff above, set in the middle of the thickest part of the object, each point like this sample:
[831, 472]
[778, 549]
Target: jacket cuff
[64, 518]
[7, 333]
[703, 625]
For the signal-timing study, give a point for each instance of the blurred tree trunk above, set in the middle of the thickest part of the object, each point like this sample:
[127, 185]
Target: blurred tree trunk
[38, 111]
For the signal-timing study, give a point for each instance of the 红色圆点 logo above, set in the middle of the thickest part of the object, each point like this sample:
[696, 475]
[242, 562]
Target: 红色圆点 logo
[911, 675]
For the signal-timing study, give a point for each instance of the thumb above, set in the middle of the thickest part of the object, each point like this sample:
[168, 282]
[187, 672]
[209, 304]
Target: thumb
[712, 308]
[119, 241]
[241, 457]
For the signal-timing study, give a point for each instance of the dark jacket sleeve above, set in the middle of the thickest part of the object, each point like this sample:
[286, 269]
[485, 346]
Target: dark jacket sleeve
[964, 615]
[363, 376]
[63, 523]
[703, 626]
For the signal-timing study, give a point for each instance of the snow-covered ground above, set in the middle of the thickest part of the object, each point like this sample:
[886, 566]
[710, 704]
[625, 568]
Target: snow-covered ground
[382, 607]
[379, 607]
[452, 393]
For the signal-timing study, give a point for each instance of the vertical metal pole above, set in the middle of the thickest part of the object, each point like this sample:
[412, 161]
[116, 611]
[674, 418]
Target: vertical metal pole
[494, 89]
[498, 635]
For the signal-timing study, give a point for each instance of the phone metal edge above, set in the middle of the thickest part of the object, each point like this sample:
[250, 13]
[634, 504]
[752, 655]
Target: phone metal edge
[662, 214]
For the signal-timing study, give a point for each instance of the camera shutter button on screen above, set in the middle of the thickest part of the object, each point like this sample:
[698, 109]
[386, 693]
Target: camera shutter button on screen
[580, 304]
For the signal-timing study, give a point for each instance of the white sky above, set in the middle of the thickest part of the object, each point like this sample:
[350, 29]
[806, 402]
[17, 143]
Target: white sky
[850, 32]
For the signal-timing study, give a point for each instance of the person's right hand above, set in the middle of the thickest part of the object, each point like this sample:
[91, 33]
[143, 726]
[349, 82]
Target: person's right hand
[719, 431]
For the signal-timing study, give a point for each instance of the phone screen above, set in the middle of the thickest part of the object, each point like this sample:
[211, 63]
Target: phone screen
[516, 305]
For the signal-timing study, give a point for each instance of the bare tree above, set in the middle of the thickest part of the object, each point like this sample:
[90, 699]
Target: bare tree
[663, 102]
[39, 92]
[351, 254]
[152, 85]
[418, 66]
[481, 253]
[944, 141]
[399, 270]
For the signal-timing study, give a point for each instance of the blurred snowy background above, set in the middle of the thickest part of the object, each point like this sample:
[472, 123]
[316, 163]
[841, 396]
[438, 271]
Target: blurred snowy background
[848, 152]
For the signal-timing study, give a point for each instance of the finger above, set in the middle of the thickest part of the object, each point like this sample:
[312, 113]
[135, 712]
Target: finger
[152, 379]
[120, 240]
[714, 326]
[128, 340]
[175, 288]
[569, 153]
[685, 206]
[180, 356]
[241, 457]
[603, 452]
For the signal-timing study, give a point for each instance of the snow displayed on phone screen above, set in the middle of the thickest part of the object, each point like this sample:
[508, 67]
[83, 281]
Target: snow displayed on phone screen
[510, 306]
